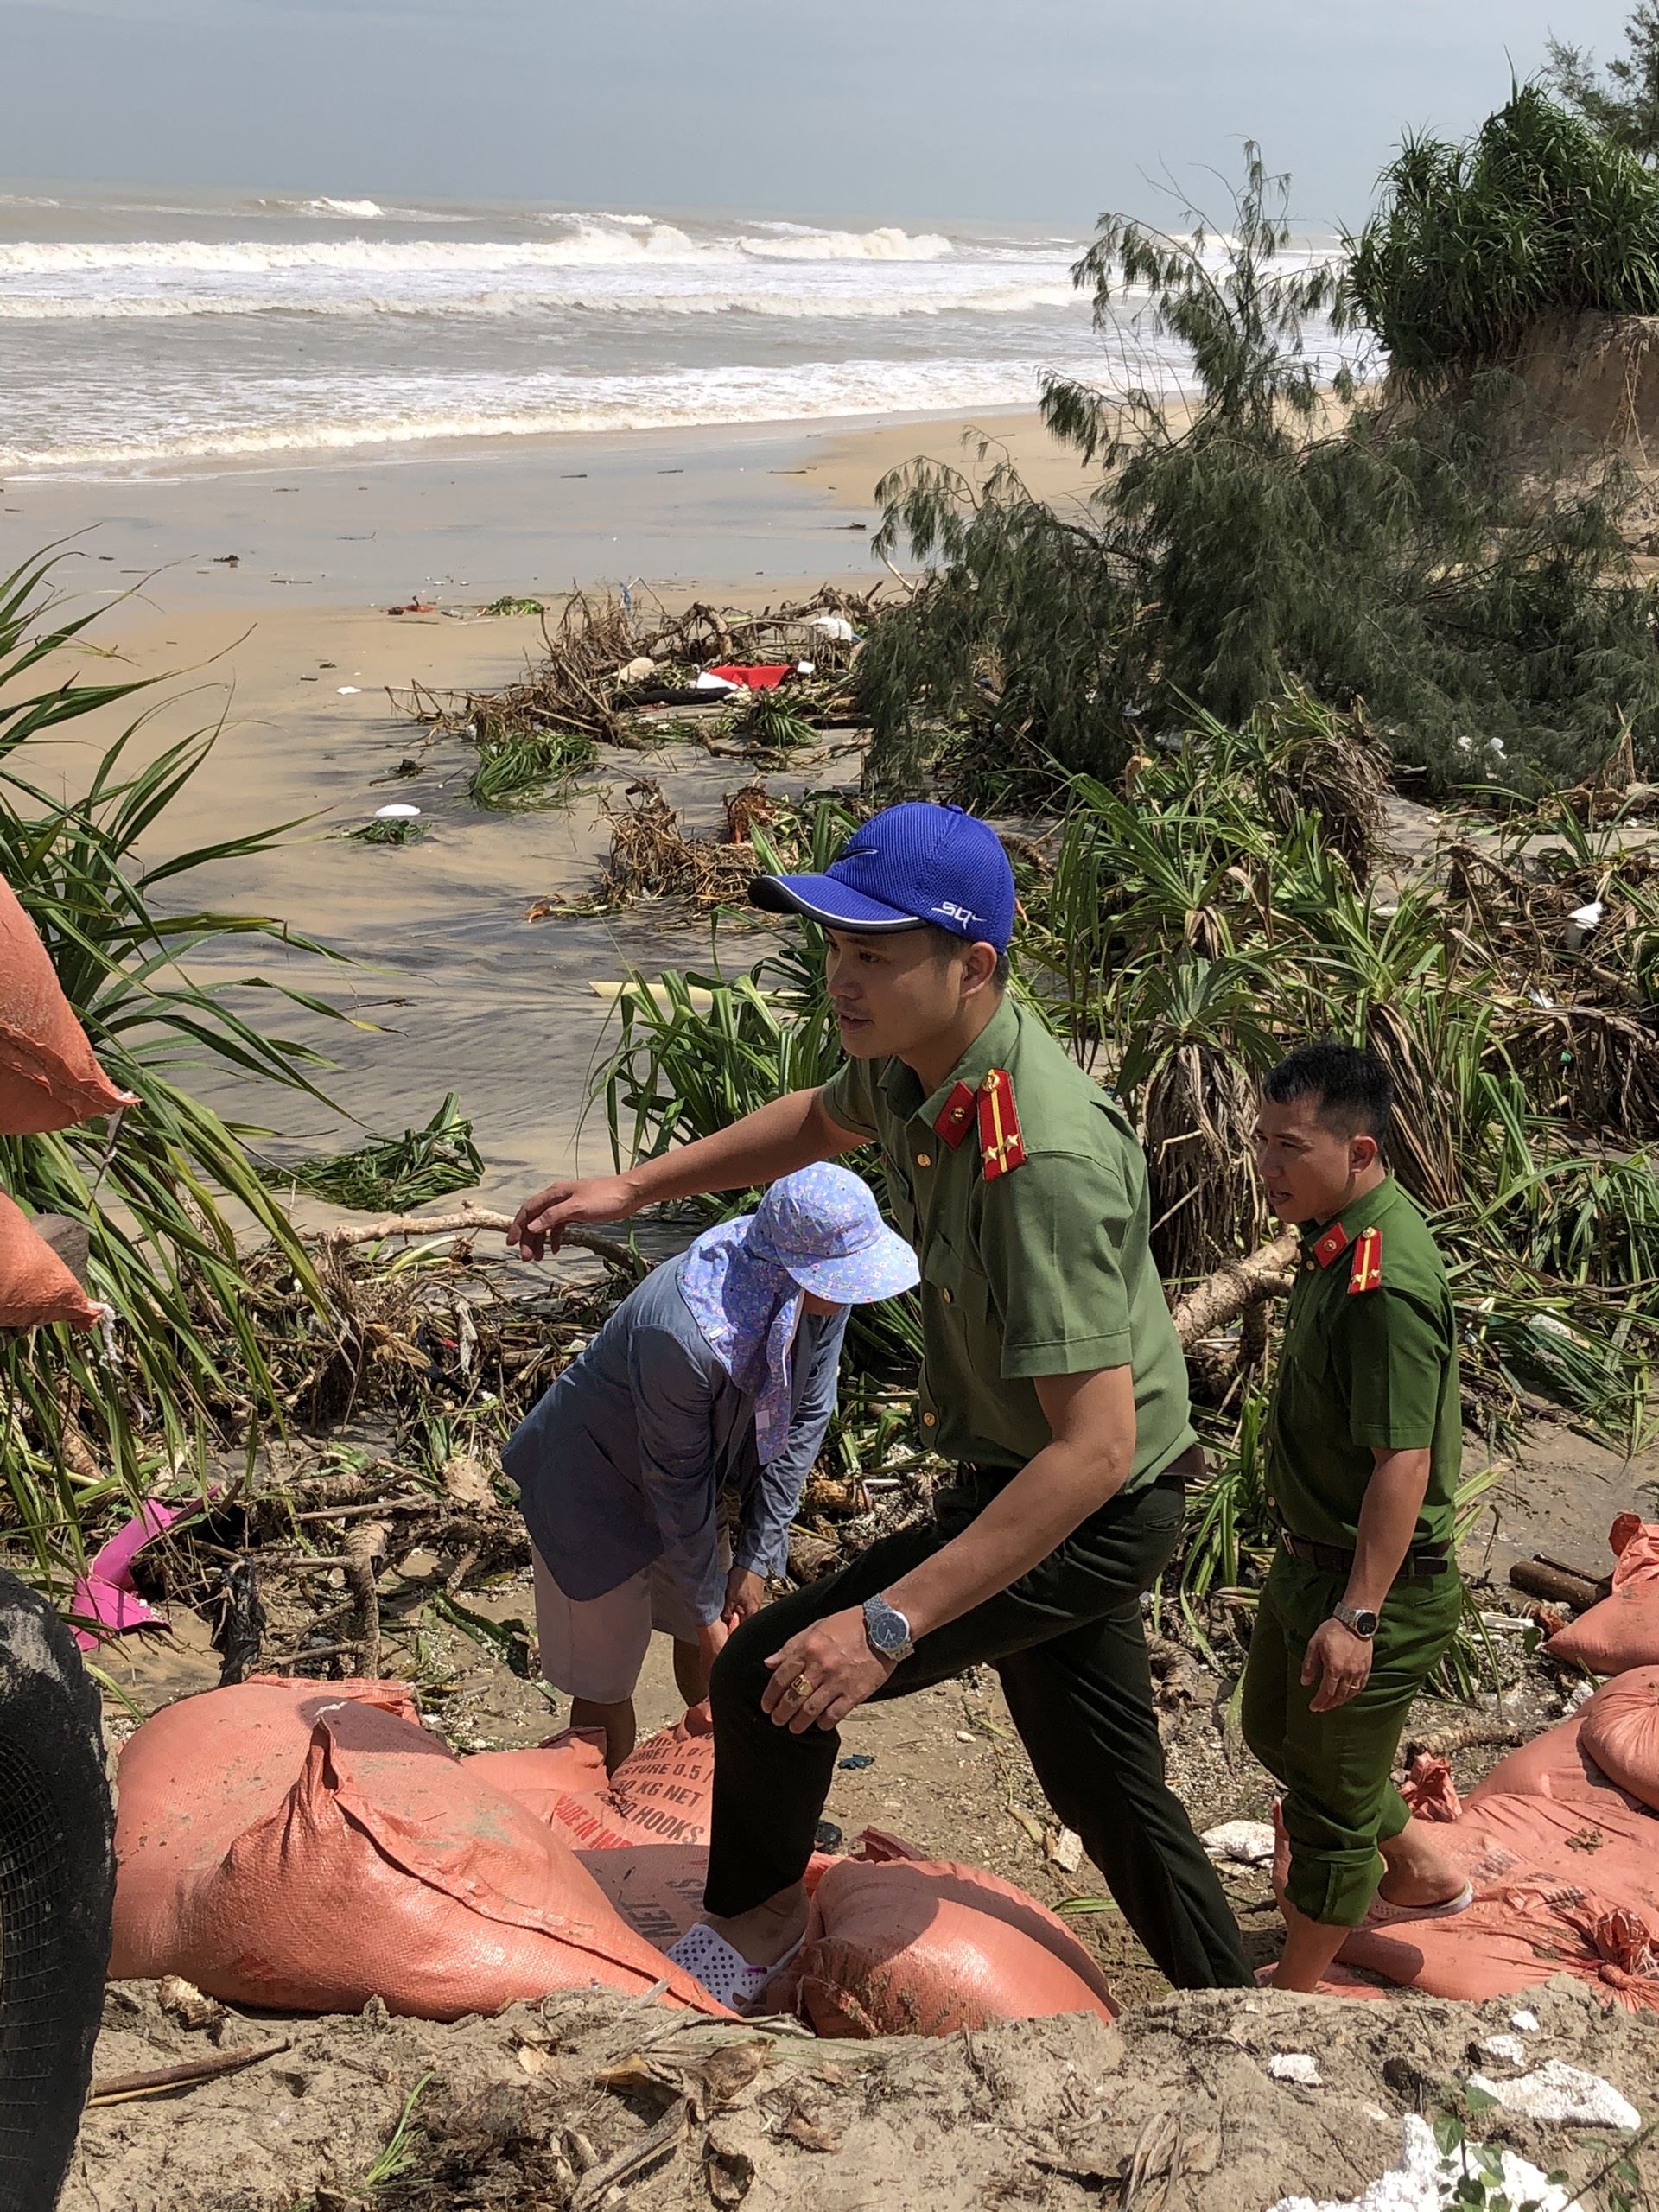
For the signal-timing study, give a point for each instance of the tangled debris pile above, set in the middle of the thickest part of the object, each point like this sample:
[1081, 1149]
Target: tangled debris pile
[611, 675]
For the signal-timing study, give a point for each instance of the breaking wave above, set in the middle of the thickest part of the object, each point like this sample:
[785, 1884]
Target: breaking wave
[550, 404]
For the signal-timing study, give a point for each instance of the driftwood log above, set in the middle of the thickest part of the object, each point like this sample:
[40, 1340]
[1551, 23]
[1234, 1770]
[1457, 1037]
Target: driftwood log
[1222, 1297]
[1558, 1585]
[470, 1219]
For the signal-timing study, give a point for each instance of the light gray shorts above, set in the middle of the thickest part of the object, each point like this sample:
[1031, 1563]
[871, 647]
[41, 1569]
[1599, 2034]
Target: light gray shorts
[594, 1648]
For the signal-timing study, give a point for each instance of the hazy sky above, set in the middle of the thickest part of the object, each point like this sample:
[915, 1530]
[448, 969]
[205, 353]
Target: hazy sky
[1036, 110]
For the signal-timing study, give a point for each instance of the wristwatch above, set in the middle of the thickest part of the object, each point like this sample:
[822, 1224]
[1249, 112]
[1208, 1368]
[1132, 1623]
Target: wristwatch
[1359, 1620]
[887, 1632]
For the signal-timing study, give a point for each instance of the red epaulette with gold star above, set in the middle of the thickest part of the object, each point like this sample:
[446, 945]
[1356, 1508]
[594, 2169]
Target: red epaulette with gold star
[1368, 1261]
[1001, 1147]
[956, 1117]
[1332, 1245]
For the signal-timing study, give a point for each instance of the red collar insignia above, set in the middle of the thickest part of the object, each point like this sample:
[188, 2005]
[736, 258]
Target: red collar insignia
[1001, 1147]
[1368, 1261]
[1332, 1245]
[956, 1116]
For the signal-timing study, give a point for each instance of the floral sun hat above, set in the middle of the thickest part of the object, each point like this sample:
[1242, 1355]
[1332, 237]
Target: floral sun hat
[816, 1230]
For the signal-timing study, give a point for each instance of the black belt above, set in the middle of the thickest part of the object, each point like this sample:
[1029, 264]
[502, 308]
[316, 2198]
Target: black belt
[1330, 1559]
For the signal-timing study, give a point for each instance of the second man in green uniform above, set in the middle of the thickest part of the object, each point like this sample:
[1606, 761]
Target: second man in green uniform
[1365, 1441]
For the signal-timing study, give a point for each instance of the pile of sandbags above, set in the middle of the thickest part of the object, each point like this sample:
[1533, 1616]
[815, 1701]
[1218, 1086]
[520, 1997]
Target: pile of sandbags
[311, 1845]
[1561, 1842]
[49, 1078]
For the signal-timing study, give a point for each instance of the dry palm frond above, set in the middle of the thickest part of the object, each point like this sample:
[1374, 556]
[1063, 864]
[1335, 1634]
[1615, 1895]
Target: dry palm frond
[1421, 1136]
[1331, 766]
[1590, 1065]
[1198, 1111]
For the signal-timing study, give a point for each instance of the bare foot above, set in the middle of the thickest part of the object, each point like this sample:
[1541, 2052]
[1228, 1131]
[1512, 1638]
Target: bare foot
[1419, 1872]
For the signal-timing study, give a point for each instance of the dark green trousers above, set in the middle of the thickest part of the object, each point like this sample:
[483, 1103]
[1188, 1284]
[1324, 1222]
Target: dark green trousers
[1337, 1767]
[1068, 1643]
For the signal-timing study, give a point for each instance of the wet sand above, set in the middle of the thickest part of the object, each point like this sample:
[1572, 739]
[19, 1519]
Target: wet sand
[450, 988]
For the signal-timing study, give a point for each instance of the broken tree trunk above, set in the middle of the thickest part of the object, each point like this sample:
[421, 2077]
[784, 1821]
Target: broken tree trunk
[1222, 1297]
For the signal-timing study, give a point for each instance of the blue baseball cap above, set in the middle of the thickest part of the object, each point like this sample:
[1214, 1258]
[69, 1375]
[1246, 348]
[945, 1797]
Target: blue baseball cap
[908, 864]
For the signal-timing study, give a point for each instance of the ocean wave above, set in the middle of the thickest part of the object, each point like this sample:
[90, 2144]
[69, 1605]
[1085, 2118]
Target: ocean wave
[550, 405]
[996, 300]
[591, 242]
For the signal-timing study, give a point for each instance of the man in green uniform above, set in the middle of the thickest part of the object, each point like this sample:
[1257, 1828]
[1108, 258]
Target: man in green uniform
[1365, 1440]
[1052, 1374]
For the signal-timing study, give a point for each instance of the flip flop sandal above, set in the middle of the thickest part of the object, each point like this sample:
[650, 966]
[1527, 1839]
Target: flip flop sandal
[722, 1970]
[1380, 1914]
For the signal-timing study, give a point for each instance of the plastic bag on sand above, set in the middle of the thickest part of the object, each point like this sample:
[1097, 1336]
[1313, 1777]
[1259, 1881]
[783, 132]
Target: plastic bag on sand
[312, 1846]
[1558, 1888]
[35, 1286]
[1623, 1631]
[1554, 1765]
[1620, 1732]
[663, 1792]
[658, 1887]
[48, 1075]
[923, 1947]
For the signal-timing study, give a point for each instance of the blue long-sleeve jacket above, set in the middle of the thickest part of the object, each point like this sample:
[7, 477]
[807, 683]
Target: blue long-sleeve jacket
[621, 1461]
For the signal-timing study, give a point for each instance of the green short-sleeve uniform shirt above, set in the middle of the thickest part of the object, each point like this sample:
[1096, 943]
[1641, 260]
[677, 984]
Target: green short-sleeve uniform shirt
[1043, 1270]
[1361, 1369]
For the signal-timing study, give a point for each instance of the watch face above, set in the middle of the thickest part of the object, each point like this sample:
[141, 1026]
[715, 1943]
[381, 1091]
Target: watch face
[888, 1630]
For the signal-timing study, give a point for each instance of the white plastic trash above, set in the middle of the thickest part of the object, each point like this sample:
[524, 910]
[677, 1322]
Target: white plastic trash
[1564, 2094]
[707, 683]
[1246, 1843]
[345, 690]
[1298, 2066]
[398, 811]
[836, 626]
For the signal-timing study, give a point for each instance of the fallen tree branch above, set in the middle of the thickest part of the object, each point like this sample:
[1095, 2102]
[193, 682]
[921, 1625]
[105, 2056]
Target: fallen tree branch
[471, 1218]
[1222, 1297]
[120, 2088]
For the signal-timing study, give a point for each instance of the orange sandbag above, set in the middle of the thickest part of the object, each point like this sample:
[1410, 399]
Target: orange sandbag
[562, 1782]
[1558, 1888]
[663, 1792]
[1623, 1631]
[1621, 1732]
[384, 1868]
[35, 1286]
[49, 1077]
[1554, 1765]
[658, 1887]
[923, 1947]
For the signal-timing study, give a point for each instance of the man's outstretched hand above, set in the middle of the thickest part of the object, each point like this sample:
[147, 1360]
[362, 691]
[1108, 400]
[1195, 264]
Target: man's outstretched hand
[541, 1222]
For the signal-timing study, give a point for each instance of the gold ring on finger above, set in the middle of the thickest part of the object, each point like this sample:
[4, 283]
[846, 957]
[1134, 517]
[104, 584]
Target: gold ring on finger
[800, 1690]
